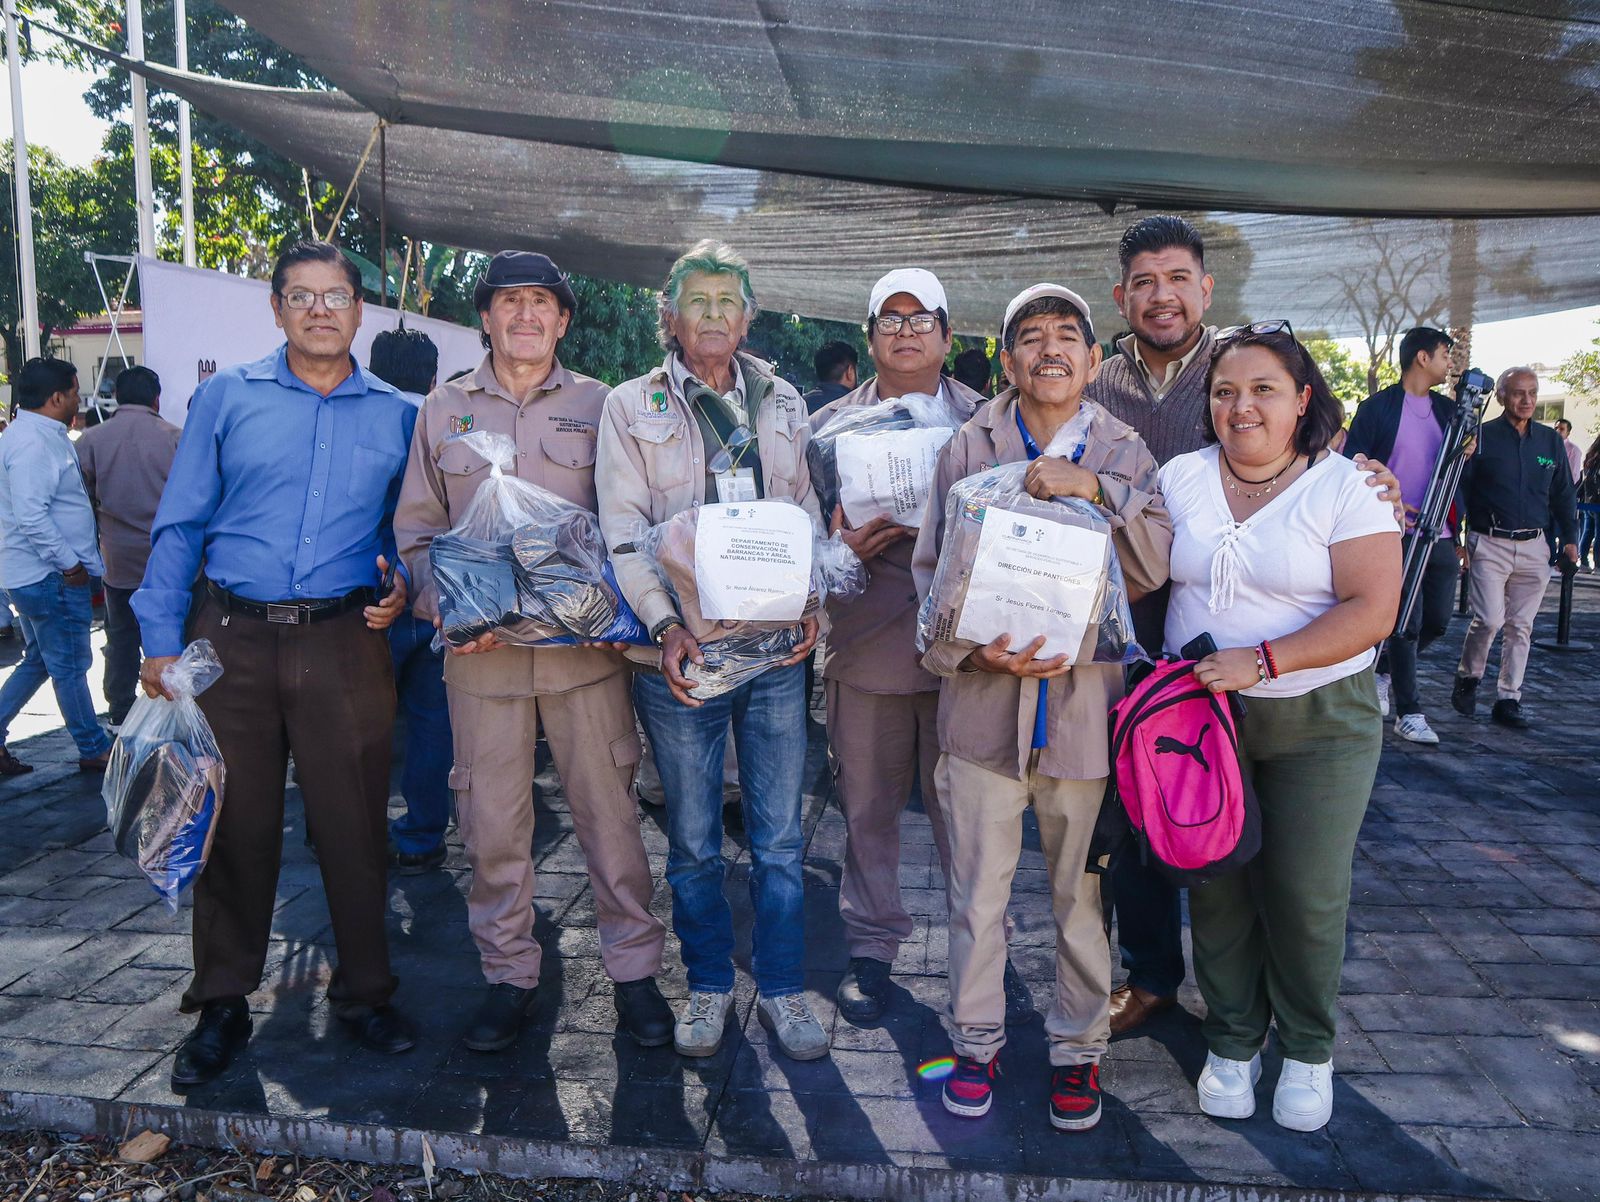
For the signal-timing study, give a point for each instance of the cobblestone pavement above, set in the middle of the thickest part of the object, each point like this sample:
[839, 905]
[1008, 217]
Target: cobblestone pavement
[1468, 1060]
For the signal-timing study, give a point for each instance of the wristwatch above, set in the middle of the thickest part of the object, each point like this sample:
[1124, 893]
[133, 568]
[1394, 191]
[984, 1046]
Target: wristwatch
[658, 632]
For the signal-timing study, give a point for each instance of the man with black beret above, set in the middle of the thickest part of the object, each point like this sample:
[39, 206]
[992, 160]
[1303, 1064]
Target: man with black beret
[499, 694]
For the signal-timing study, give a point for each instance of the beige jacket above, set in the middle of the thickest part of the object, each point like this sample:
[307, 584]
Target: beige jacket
[651, 465]
[872, 639]
[554, 428]
[988, 718]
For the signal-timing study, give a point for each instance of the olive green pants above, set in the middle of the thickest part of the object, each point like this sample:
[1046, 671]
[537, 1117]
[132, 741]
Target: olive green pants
[1269, 939]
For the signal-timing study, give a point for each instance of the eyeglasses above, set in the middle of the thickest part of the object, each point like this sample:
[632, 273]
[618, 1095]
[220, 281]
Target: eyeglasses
[725, 459]
[1276, 326]
[304, 298]
[921, 323]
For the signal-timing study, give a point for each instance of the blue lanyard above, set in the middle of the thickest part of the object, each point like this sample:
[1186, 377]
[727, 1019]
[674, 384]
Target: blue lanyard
[1033, 448]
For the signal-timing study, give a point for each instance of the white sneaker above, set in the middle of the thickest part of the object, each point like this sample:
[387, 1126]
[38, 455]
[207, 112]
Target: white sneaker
[793, 1027]
[1383, 693]
[1415, 728]
[1304, 1097]
[1227, 1088]
[700, 1027]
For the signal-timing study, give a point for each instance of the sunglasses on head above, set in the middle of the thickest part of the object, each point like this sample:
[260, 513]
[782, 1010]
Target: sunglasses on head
[1278, 325]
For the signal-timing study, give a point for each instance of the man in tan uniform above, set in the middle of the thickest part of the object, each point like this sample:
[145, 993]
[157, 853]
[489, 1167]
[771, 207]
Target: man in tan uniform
[499, 694]
[882, 704]
[1016, 730]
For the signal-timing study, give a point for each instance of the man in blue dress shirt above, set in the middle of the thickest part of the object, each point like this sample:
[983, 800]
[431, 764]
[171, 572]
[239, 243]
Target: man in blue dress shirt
[284, 488]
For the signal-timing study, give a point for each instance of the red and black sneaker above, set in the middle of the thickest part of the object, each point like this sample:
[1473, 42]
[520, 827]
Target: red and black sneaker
[969, 1090]
[1075, 1097]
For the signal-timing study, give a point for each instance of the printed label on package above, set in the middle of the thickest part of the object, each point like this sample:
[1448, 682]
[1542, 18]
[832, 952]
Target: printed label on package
[888, 474]
[752, 562]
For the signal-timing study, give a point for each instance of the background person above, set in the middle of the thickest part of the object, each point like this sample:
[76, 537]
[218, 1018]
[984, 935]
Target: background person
[49, 559]
[125, 462]
[409, 360]
[1589, 506]
[835, 364]
[1517, 483]
[1283, 555]
[283, 489]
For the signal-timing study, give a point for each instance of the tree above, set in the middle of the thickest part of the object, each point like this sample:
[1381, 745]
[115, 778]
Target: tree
[1347, 377]
[75, 209]
[788, 341]
[1581, 370]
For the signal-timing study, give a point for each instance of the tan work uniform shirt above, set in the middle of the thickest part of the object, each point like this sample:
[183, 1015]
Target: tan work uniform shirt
[554, 428]
[125, 462]
[651, 465]
[987, 717]
[872, 639]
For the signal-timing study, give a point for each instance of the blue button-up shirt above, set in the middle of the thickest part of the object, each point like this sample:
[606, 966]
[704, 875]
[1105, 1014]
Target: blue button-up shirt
[286, 495]
[46, 521]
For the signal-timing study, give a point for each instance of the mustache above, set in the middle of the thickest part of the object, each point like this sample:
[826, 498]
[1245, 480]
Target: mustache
[1052, 362]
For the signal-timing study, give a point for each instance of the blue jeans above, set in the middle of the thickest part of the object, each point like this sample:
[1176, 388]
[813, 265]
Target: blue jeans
[769, 731]
[425, 780]
[55, 619]
[1588, 532]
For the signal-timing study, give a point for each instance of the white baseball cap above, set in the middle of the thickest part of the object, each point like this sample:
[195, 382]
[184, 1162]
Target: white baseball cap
[915, 281]
[1034, 293]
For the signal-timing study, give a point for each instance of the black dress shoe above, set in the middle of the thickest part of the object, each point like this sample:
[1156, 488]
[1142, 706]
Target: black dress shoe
[643, 1012]
[499, 1018]
[383, 1029]
[863, 992]
[1019, 1001]
[224, 1028]
[1509, 713]
[1464, 697]
[415, 863]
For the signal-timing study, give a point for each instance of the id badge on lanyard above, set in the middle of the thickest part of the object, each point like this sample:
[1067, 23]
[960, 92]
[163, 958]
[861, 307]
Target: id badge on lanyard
[736, 484]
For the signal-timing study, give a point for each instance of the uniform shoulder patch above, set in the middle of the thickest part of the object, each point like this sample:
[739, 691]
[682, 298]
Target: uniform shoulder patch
[462, 424]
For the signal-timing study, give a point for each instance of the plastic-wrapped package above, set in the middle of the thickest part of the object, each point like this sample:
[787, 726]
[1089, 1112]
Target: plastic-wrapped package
[526, 564]
[1013, 564]
[878, 460]
[163, 788]
[744, 576]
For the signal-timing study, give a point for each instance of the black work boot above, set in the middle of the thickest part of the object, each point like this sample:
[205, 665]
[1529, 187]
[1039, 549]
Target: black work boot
[1509, 713]
[643, 1012]
[224, 1028]
[1464, 697]
[499, 1018]
[381, 1028]
[1019, 1001]
[863, 992]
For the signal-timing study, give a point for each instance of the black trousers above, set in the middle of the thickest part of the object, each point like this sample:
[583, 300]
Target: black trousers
[123, 653]
[1429, 619]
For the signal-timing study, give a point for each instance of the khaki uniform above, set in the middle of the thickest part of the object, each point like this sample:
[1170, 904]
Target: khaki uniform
[498, 699]
[883, 710]
[989, 772]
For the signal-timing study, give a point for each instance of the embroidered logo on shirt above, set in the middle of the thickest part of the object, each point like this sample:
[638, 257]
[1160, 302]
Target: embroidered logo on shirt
[1544, 462]
[461, 425]
[658, 402]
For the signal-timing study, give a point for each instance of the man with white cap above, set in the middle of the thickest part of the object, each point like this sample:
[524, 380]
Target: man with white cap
[1016, 730]
[882, 704]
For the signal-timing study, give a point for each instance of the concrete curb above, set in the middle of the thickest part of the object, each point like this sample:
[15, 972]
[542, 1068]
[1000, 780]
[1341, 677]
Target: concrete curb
[677, 1170]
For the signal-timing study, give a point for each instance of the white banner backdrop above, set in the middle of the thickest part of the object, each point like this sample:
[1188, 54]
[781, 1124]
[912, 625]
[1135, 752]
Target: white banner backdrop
[197, 321]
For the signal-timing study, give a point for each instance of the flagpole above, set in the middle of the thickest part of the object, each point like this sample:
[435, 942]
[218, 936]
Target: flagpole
[144, 194]
[180, 19]
[24, 231]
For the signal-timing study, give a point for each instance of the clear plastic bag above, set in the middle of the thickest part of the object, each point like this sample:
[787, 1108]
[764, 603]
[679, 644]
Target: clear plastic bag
[878, 460]
[1013, 564]
[164, 786]
[526, 564]
[786, 575]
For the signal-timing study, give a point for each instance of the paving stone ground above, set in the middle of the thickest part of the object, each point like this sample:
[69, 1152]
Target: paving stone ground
[1468, 1059]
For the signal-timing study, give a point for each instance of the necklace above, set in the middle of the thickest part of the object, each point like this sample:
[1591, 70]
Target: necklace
[1232, 479]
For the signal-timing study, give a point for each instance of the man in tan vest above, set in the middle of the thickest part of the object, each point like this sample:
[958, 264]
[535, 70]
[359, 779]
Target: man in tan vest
[499, 694]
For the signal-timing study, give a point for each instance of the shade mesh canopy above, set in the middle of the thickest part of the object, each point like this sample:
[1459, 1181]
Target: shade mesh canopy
[816, 245]
[1350, 107]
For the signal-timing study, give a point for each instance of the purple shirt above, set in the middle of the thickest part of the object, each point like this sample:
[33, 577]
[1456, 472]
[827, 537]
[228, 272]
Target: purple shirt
[1416, 449]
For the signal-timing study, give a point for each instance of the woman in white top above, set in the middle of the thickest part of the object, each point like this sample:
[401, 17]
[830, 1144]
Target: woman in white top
[1291, 563]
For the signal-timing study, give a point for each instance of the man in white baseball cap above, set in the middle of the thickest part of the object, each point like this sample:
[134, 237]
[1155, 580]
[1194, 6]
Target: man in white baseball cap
[1016, 730]
[882, 704]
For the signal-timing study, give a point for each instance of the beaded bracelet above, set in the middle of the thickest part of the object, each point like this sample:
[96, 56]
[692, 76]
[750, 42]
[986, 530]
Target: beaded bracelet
[1261, 666]
[1265, 658]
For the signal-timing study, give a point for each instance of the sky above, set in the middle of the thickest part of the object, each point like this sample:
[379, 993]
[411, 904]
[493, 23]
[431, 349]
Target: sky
[57, 117]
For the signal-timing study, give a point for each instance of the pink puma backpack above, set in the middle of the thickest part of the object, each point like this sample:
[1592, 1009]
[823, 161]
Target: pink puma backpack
[1175, 767]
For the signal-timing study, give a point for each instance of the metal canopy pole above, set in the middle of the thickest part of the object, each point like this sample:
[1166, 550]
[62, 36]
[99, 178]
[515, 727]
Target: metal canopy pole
[180, 22]
[24, 190]
[144, 193]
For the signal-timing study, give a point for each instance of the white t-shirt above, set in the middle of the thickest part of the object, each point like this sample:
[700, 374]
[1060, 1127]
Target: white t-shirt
[1280, 568]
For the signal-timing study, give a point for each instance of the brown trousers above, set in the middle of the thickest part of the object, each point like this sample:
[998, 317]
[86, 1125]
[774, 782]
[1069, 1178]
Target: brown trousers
[325, 692]
[880, 742]
[595, 746]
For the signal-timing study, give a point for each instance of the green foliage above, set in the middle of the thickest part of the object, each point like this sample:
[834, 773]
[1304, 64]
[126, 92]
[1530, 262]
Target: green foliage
[75, 209]
[613, 337]
[1581, 370]
[1347, 375]
[789, 341]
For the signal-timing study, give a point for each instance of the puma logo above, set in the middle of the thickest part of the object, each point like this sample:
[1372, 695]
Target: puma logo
[1167, 745]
